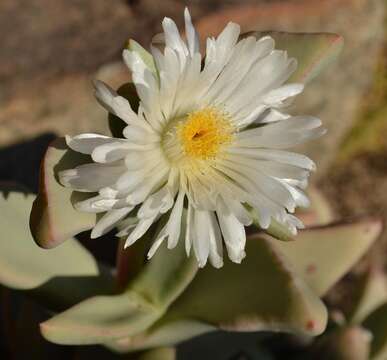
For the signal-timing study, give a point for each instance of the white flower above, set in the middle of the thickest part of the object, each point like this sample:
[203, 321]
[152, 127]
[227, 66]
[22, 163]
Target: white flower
[205, 149]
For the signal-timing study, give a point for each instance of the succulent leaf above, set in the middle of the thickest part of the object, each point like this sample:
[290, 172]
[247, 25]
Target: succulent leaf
[322, 255]
[255, 295]
[104, 318]
[53, 217]
[60, 277]
[164, 332]
[348, 343]
[370, 294]
[99, 319]
[260, 294]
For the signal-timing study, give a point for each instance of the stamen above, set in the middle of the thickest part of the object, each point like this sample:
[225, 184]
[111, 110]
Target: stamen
[204, 132]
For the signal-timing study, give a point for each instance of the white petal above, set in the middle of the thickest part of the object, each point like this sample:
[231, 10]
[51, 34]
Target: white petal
[115, 103]
[233, 234]
[216, 245]
[233, 76]
[267, 74]
[159, 202]
[174, 222]
[275, 97]
[173, 39]
[91, 177]
[126, 226]
[281, 134]
[148, 185]
[190, 229]
[135, 160]
[299, 196]
[192, 36]
[271, 168]
[239, 211]
[219, 52]
[275, 155]
[135, 63]
[156, 244]
[271, 115]
[131, 180]
[201, 240]
[109, 221]
[110, 152]
[86, 143]
[141, 228]
[95, 204]
[258, 182]
[139, 135]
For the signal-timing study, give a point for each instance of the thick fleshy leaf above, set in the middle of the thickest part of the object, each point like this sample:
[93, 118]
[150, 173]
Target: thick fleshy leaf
[322, 255]
[260, 294]
[370, 293]
[165, 332]
[60, 277]
[286, 304]
[104, 318]
[348, 343]
[376, 323]
[53, 217]
[313, 51]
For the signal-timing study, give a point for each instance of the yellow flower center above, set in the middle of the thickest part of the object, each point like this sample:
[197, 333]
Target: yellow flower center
[204, 132]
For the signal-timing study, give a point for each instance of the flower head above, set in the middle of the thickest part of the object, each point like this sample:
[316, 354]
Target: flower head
[205, 148]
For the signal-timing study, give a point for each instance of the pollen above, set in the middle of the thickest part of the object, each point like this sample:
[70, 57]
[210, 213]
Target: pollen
[204, 133]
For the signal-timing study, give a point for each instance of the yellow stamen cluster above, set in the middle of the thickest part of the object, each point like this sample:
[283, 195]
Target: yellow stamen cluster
[204, 132]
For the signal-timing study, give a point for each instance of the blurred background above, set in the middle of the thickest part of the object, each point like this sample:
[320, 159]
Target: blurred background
[51, 50]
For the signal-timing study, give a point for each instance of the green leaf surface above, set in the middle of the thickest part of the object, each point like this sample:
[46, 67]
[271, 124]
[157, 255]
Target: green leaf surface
[53, 217]
[370, 293]
[322, 255]
[260, 294]
[103, 318]
[165, 332]
[376, 323]
[313, 51]
[59, 277]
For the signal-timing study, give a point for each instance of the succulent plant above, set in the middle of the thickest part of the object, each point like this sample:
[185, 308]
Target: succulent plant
[170, 300]
[148, 307]
[361, 330]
